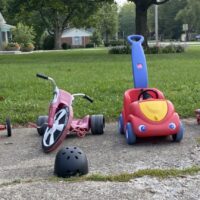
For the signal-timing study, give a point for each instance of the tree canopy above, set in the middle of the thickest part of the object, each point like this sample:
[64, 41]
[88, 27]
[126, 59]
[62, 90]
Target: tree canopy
[127, 19]
[190, 15]
[105, 21]
[169, 26]
[54, 16]
[60, 14]
[141, 16]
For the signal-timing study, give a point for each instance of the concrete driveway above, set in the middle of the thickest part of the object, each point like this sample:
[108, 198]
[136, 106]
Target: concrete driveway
[24, 168]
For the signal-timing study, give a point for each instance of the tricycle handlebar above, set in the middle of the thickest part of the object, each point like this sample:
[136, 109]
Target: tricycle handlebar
[88, 98]
[42, 76]
[47, 78]
[84, 96]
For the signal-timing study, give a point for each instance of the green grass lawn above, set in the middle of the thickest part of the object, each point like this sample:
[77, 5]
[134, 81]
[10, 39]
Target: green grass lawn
[102, 76]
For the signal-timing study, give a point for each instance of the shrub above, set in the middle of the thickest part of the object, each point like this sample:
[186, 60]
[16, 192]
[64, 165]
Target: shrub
[168, 49]
[48, 43]
[114, 43]
[150, 50]
[120, 50]
[66, 46]
[23, 34]
[173, 49]
[90, 45]
[12, 46]
[180, 49]
[106, 44]
[27, 47]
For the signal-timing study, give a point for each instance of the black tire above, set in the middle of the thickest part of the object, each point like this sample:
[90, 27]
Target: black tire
[97, 123]
[8, 127]
[42, 124]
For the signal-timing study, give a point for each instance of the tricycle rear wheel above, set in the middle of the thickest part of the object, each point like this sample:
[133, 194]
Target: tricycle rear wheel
[97, 123]
[42, 124]
[8, 127]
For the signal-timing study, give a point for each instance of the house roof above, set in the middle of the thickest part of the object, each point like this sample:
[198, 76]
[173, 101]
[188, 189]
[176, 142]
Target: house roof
[3, 25]
[74, 32]
[2, 20]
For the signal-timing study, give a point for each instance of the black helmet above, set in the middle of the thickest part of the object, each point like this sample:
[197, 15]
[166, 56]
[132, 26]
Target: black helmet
[70, 161]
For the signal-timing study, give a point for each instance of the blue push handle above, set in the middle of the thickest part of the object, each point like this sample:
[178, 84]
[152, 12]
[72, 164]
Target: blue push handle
[135, 38]
[139, 66]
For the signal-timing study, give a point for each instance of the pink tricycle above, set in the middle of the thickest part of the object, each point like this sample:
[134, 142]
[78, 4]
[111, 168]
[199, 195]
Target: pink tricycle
[59, 123]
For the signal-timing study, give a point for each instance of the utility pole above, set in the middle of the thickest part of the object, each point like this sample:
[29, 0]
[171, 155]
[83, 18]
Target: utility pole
[156, 24]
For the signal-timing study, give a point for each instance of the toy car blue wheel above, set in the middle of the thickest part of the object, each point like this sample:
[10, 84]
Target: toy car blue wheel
[121, 124]
[130, 135]
[179, 136]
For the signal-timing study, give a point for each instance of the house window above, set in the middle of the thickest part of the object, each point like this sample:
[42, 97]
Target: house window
[77, 41]
[3, 34]
[9, 36]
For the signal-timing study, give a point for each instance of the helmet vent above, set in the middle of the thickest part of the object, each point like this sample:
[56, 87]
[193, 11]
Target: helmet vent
[67, 147]
[72, 151]
[68, 157]
[76, 157]
[79, 152]
[75, 147]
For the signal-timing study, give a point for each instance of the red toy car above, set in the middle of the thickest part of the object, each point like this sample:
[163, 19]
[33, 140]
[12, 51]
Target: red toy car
[146, 112]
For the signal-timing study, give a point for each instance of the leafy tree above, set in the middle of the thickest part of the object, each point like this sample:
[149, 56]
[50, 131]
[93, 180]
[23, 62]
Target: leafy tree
[96, 38]
[141, 15]
[190, 15]
[169, 25]
[60, 14]
[4, 5]
[106, 21]
[127, 19]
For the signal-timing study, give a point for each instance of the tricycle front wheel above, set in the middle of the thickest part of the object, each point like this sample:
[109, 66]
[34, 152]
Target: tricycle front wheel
[54, 135]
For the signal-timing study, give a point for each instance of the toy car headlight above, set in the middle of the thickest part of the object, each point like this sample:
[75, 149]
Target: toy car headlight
[142, 128]
[172, 126]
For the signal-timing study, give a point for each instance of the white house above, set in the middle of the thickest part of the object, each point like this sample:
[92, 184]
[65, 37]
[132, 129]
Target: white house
[76, 37]
[5, 32]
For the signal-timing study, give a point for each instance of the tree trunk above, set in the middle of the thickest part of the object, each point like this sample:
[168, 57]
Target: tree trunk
[107, 37]
[141, 23]
[57, 38]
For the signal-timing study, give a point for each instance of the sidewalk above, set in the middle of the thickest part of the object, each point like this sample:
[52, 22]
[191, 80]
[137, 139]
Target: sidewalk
[24, 168]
